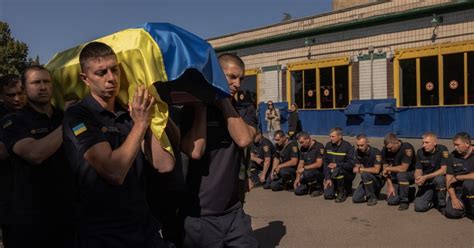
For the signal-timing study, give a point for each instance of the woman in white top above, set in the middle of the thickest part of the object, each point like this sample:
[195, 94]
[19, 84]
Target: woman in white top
[272, 116]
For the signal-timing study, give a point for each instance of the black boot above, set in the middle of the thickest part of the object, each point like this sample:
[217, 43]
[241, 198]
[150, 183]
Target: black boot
[341, 191]
[370, 193]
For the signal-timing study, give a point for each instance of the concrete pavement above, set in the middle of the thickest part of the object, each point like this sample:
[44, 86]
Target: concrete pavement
[282, 219]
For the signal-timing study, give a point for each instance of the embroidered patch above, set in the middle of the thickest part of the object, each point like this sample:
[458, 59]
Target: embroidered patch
[79, 129]
[295, 149]
[321, 151]
[378, 158]
[409, 152]
[266, 148]
[445, 154]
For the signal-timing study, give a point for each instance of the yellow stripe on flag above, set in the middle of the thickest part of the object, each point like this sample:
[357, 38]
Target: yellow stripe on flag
[138, 68]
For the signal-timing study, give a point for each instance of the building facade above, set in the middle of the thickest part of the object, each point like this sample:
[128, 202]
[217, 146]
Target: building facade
[384, 66]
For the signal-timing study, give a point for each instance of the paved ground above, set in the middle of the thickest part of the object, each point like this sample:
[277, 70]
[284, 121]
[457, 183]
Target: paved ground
[281, 219]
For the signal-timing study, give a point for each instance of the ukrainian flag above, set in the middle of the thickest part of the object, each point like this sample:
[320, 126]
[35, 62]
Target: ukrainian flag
[150, 54]
[79, 129]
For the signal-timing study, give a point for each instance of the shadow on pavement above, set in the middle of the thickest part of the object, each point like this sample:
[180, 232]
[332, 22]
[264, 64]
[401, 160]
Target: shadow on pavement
[270, 235]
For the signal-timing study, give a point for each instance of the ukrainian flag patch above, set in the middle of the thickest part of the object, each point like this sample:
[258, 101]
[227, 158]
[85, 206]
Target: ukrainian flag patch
[79, 129]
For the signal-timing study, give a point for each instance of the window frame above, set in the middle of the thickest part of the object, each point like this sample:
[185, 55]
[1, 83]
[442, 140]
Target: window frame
[439, 50]
[254, 72]
[317, 65]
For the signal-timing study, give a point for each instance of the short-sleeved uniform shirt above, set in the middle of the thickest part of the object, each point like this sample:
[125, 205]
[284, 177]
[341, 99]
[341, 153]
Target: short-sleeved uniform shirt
[369, 159]
[114, 215]
[430, 162]
[405, 154]
[288, 151]
[458, 165]
[342, 155]
[263, 149]
[213, 181]
[311, 154]
[43, 190]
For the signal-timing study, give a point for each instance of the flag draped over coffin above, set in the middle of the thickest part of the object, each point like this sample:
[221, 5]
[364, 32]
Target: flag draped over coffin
[148, 54]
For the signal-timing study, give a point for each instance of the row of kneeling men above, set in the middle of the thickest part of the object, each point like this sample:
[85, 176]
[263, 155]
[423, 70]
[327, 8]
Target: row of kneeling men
[444, 180]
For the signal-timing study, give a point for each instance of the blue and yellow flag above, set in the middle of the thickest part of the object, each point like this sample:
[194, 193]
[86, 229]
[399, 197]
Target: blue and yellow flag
[148, 54]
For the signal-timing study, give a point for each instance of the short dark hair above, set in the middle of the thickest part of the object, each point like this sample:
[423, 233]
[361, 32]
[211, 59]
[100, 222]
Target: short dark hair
[338, 130]
[303, 134]
[463, 136]
[94, 50]
[230, 57]
[8, 81]
[362, 136]
[279, 133]
[390, 138]
[31, 68]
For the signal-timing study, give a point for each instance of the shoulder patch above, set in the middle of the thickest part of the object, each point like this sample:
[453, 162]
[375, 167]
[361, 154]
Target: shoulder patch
[266, 148]
[378, 158]
[7, 123]
[409, 152]
[295, 149]
[445, 154]
[78, 129]
[321, 151]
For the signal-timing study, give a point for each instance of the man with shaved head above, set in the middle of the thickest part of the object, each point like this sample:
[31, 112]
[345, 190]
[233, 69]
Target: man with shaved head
[430, 170]
[214, 216]
[398, 159]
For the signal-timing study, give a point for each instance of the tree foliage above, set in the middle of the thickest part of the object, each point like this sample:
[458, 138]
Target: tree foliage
[13, 53]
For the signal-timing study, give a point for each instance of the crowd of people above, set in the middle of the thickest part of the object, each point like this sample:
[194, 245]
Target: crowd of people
[445, 180]
[96, 176]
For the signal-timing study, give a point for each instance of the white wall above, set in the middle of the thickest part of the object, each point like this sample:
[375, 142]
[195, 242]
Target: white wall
[268, 86]
[379, 77]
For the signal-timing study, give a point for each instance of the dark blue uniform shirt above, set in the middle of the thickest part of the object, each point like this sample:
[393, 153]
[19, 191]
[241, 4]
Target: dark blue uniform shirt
[264, 149]
[430, 162]
[404, 155]
[342, 155]
[288, 152]
[458, 165]
[370, 159]
[213, 181]
[311, 154]
[44, 190]
[110, 215]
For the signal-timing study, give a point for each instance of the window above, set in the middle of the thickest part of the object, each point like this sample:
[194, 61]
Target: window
[408, 82]
[325, 87]
[309, 89]
[341, 81]
[248, 89]
[323, 84]
[453, 65]
[429, 81]
[435, 75]
[297, 87]
[470, 77]
[304, 88]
